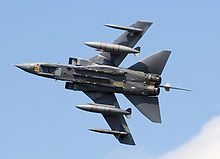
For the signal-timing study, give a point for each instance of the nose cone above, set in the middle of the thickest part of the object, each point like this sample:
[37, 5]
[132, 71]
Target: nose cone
[28, 67]
[83, 107]
[93, 44]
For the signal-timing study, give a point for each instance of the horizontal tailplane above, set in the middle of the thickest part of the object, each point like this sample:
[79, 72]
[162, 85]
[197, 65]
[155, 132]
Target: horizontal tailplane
[148, 106]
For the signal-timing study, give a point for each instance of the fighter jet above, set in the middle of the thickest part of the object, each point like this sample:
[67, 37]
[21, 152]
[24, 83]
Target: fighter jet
[100, 78]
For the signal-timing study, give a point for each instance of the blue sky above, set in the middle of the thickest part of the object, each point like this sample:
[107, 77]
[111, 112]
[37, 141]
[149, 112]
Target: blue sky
[38, 118]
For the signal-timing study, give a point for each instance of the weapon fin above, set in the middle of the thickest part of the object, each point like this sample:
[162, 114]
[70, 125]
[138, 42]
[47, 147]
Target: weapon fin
[128, 115]
[138, 53]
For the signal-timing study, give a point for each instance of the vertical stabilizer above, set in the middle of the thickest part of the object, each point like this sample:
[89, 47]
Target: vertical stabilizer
[154, 63]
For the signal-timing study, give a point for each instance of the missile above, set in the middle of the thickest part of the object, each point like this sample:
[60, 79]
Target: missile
[105, 109]
[114, 48]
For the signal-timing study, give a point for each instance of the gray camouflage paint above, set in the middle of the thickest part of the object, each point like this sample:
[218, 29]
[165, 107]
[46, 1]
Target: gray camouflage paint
[99, 78]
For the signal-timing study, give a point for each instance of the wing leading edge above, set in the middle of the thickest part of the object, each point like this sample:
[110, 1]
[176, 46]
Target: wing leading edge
[117, 122]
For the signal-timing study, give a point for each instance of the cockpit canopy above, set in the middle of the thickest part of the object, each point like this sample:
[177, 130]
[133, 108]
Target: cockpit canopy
[46, 69]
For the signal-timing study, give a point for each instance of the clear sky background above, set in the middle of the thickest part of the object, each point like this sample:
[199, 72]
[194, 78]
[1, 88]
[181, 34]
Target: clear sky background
[38, 118]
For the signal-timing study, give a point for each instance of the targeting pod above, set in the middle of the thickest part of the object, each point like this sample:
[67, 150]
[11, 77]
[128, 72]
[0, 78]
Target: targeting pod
[105, 109]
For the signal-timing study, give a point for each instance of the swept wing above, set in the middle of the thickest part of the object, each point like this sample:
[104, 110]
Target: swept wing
[129, 38]
[117, 122]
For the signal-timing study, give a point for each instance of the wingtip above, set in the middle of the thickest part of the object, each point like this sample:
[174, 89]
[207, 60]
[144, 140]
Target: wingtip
[144, 21]
[167, 51]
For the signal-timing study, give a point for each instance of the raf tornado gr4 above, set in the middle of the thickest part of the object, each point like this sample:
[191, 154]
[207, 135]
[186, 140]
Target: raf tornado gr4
[100, 77]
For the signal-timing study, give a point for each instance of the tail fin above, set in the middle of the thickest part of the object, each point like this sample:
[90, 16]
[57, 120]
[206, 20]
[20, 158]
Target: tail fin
[148, 106]
[154, 63]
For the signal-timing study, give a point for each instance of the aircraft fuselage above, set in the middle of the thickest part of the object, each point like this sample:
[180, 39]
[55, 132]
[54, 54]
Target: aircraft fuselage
[98, 78]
